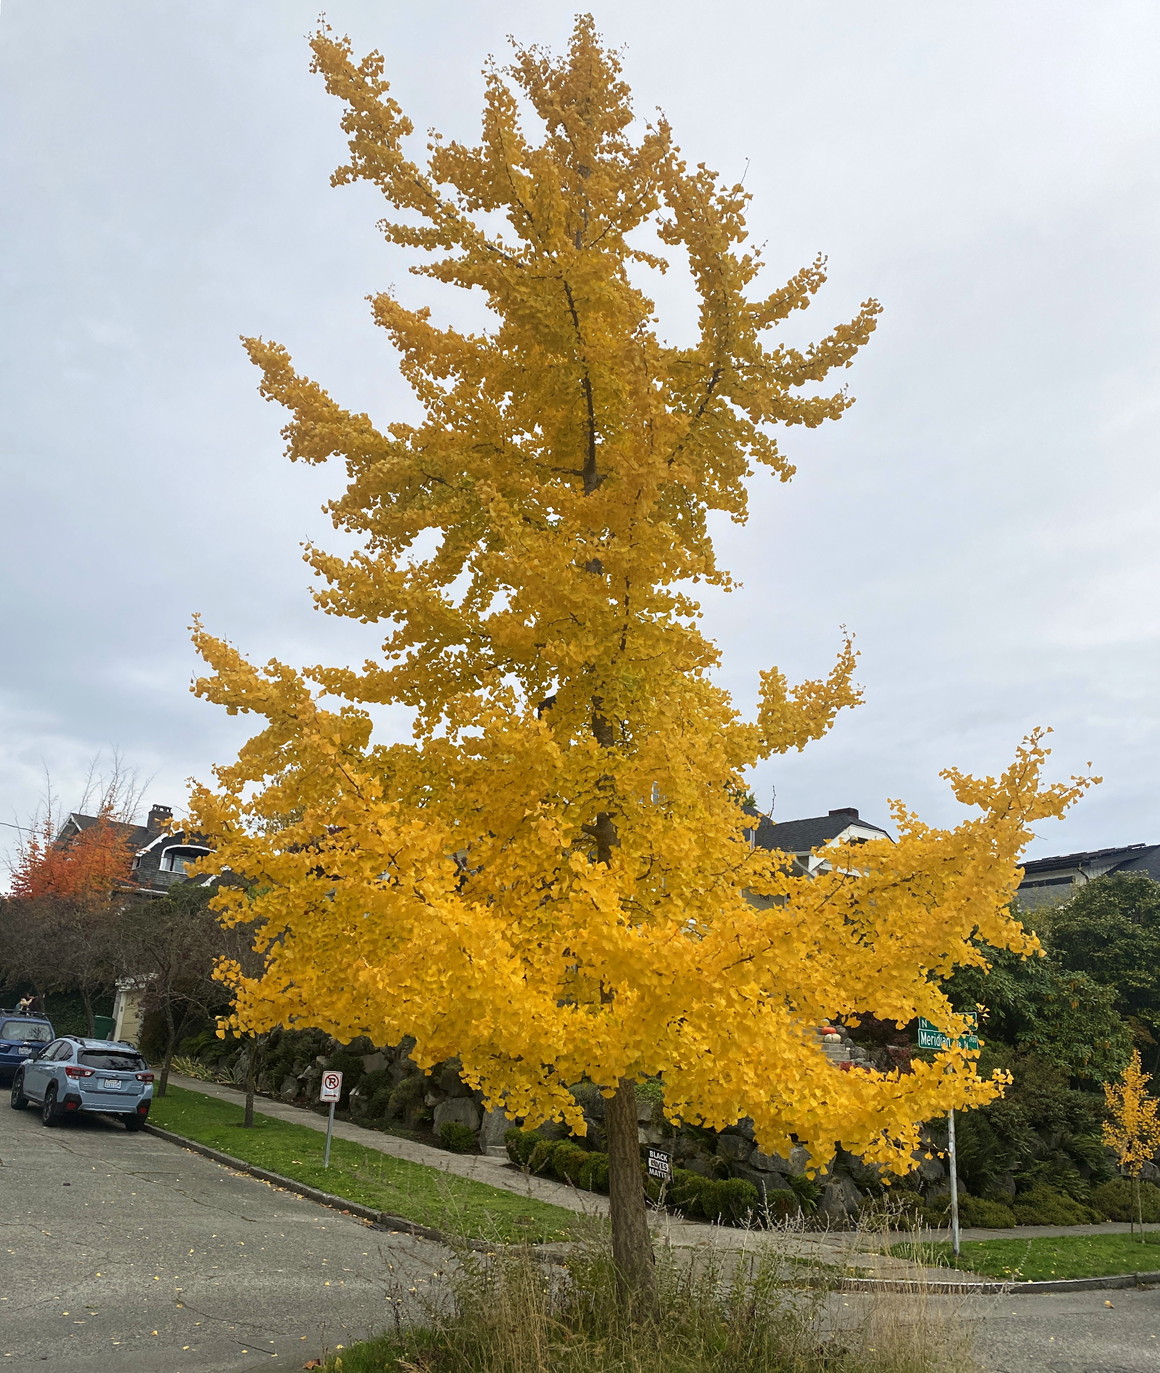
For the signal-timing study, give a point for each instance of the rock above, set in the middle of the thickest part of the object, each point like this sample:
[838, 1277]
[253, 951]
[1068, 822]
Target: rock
[495, 1125]
[736, 1148]
[839, 1199]
[865, 1175]
[289, 1089]
[769, 1163]
[929, 1169]
[644, 1110]
[374, 1063]
[402, 1069]
[655, 1134]
[446, 1078]
[460, 1109]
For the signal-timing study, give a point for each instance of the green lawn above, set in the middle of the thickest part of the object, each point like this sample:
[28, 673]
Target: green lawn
[1045, 1256]
[426, 1195]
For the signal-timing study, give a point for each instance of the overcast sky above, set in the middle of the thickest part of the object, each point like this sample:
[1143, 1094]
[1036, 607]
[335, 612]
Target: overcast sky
[984, 520]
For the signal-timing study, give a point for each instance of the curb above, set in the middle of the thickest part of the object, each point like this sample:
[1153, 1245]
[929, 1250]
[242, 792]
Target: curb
[1004, 1289]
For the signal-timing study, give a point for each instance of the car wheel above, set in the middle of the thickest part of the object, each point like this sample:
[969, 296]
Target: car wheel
[134, 1122]
[18, 1100]
[49, 1114]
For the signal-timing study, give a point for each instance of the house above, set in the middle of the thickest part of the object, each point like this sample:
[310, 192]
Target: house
[1049, 881]
[160, 857]
[802, 837]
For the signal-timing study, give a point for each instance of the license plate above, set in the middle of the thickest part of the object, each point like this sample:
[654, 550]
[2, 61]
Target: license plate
[112, 1084]
[23, 1053]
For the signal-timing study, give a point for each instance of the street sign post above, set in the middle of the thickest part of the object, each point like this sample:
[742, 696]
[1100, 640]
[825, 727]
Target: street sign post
[330, 1089]
[931, 1037]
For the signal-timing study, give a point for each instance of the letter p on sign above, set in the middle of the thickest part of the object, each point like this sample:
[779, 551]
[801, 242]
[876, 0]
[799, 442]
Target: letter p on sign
[331, 1088]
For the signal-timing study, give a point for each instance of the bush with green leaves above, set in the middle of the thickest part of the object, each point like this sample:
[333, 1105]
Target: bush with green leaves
[898, 1208]
[1116, 1200]
[974, 1213]
[407, 1098]
[979, 1213]
[567, 1162]
[593, 1175]
[807, 1190]
[780, 1204]
[459, 1138]
[728, 1201]
[1047, 1206]
[520, 1144]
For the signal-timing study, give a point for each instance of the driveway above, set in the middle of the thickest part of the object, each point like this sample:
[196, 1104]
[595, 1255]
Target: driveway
[121, 1252]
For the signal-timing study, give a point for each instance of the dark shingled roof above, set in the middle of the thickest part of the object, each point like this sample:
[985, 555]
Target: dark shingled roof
[1129, 854]
[136, 836]
[798, 836]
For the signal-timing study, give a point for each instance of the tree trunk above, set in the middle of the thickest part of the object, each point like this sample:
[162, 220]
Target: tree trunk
[89, 1022]
[632, 1252]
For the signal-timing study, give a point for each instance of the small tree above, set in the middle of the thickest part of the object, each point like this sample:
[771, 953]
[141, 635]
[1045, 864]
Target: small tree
[552, 880]
[169, 947]
[66, 899]
[1132, 1130]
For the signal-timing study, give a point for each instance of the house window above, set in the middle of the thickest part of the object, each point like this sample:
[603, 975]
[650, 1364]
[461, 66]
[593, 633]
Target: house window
[178, 858]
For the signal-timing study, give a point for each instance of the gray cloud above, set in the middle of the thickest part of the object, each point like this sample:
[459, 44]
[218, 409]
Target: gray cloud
[984, 519]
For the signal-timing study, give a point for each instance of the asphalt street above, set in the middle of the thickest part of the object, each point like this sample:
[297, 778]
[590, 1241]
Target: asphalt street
[1088, 1332]
[121, 1253]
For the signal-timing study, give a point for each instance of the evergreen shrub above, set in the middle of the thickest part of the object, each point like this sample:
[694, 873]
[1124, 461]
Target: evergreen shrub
[593, 1174]
[407, 1096]
[1047, 1206]
[520, 1143]
[459, 1138]
[1116, 1200]
[978, 1212]
[567, 1161]
[541, 1155]
[781, 1204]
[807, 1190]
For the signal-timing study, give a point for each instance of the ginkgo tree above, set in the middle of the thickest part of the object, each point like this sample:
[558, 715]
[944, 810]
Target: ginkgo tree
[551, 880]
[1132, 1128]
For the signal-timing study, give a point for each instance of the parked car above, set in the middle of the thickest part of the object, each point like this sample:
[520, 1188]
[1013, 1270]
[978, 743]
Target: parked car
[21, 1034]
[71, 1075]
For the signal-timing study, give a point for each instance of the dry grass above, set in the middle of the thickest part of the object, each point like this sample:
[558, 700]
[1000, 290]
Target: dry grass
[767, 1310]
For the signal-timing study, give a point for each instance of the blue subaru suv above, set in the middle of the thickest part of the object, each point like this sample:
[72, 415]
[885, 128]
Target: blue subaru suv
[71, 1075]
[21, 1035]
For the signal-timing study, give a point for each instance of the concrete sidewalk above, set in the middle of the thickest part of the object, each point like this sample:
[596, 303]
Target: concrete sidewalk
[840, 1247]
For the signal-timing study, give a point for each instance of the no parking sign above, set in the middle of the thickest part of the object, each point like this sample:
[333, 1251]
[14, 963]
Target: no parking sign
[331, 1088]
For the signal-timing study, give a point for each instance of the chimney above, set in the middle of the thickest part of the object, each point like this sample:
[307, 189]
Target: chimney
[846, 810]
[159, 817]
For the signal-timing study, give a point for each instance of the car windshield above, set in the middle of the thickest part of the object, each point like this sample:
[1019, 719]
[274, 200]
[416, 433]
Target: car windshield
[110, 1059]
[27, 1031]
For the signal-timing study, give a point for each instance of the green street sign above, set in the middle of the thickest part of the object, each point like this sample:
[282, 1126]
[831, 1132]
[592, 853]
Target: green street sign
[931, 1037]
